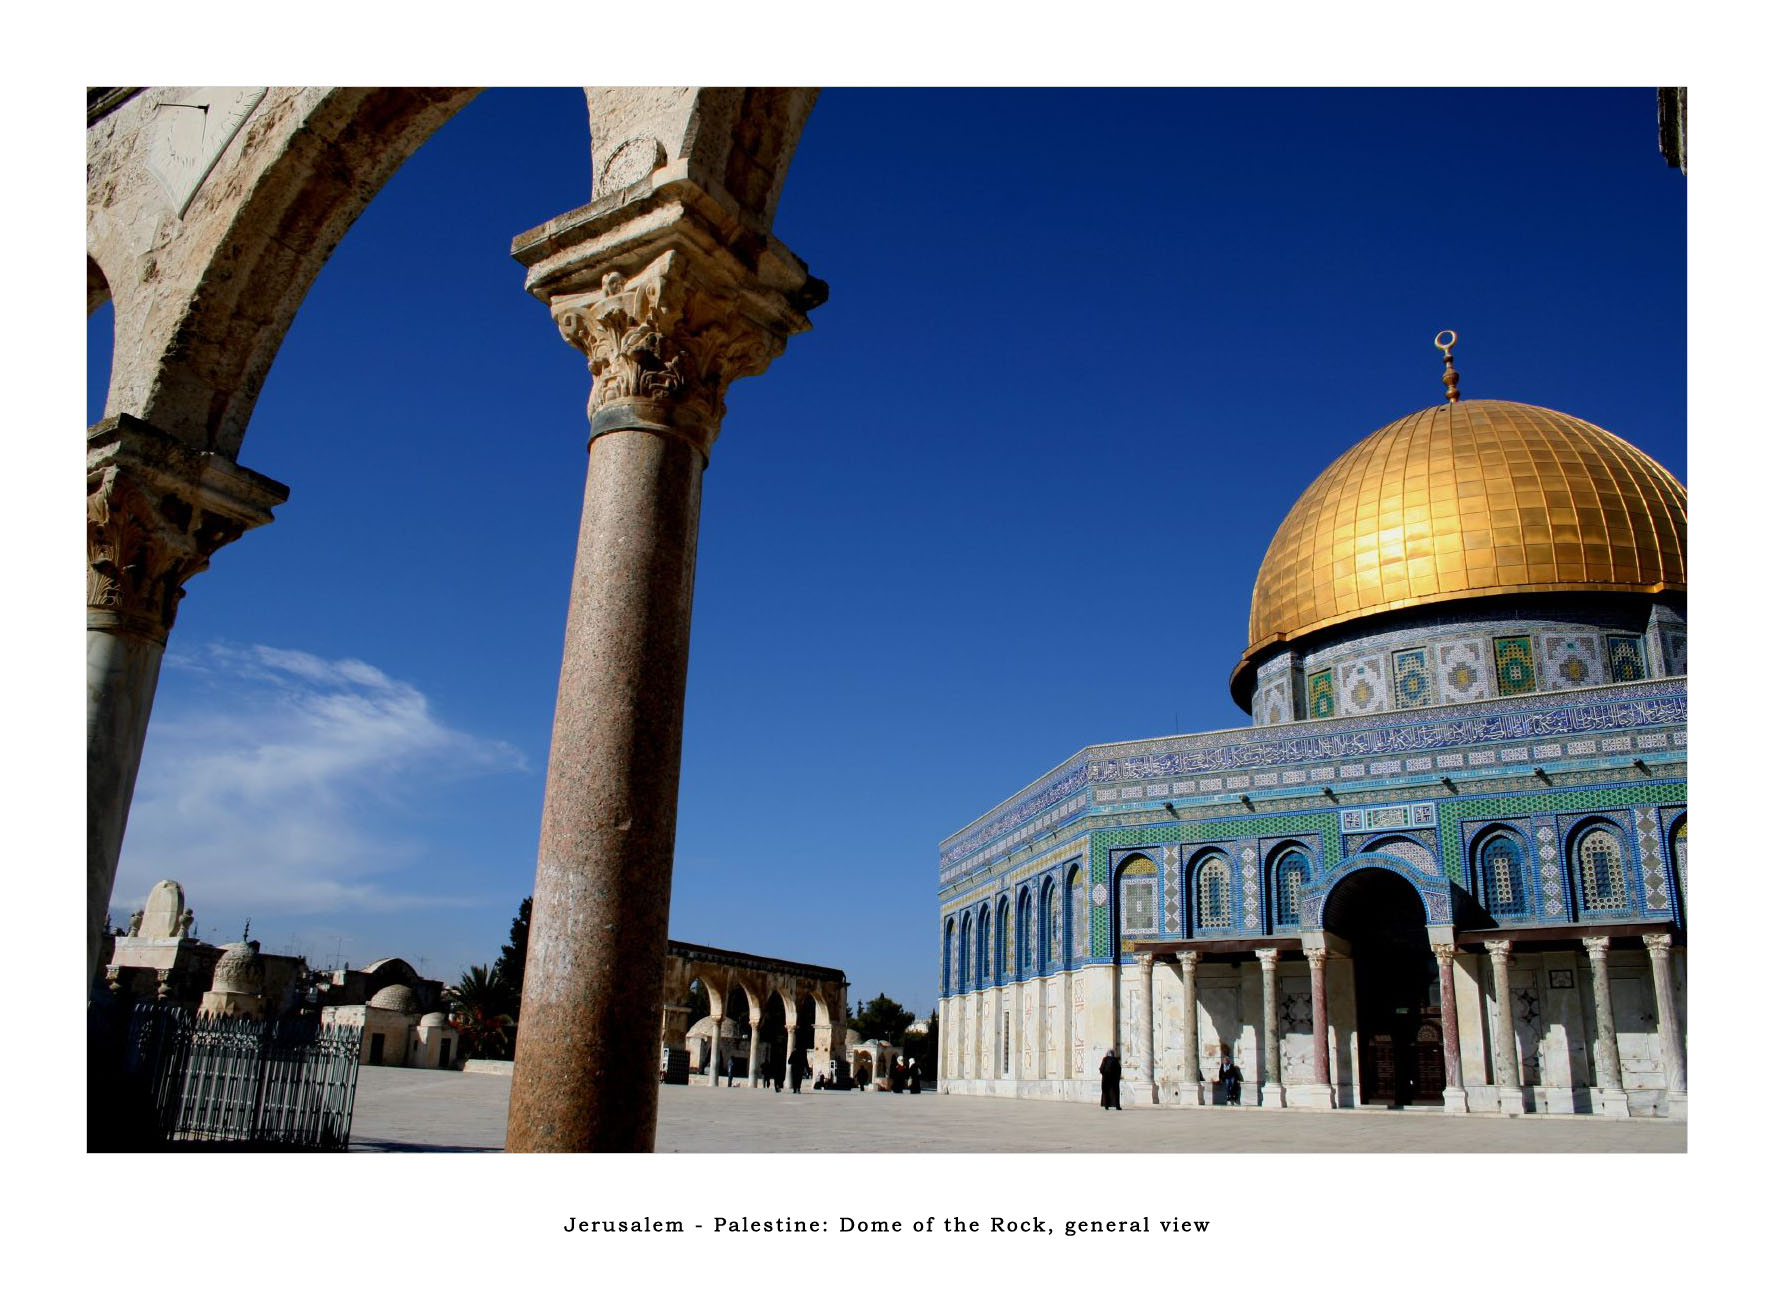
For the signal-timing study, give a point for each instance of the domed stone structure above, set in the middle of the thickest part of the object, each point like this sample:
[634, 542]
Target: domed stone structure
[396, 999]
[1447, 863]
[237, 988]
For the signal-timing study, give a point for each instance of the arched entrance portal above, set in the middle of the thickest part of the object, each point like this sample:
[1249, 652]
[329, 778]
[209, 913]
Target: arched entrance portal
[1398, 999]
[773, 1037]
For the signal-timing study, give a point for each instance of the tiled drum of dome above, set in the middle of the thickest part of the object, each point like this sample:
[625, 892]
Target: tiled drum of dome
[1627, 659]
[1321, 698]
[1516, 665]
[1571, 660]
[1360, 686]
[1411, 679]
[1461, 667]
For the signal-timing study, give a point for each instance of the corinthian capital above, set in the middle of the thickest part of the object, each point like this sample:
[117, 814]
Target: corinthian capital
[1657, 944]
[156, 511]
[662, 348]
[671, 292]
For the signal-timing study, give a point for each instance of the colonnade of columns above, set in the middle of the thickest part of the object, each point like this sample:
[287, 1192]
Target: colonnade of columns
[1141, 1034]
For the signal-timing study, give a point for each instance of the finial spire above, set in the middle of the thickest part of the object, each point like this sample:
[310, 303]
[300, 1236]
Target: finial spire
[1450, 378]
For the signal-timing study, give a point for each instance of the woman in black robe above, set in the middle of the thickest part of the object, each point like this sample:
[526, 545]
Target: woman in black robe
[1111, 1070]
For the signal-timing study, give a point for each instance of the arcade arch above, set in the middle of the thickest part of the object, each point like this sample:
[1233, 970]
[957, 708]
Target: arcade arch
[207, 264]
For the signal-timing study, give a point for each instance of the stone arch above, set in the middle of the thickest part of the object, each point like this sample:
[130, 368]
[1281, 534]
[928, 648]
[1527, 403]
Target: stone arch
[1600, 866]
[1076, 942]
[948, 955]
[965, 977]
[1435, 894]
[1003, 941]
[1025, 962]
[1050, 949]
[1208, 891]
[1499, 871]
[1288, 870]
[1134, 889]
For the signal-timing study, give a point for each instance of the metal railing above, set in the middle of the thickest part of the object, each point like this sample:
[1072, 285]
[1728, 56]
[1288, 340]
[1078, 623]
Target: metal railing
[212, 1080]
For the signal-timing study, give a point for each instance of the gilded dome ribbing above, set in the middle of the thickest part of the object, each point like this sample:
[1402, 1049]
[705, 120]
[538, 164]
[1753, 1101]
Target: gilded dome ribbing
[1482, 497]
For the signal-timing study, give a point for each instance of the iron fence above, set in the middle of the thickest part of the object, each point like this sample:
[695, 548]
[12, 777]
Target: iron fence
[263, 1084]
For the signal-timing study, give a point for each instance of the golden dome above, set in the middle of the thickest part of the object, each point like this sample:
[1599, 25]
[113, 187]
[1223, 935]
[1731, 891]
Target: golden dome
[1482, 497]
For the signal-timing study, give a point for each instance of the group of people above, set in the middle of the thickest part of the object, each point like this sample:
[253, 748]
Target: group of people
[904, 1076]
[1229, 1080]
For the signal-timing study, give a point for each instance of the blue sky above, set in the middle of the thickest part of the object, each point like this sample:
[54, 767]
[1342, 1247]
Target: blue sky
[1006, 499]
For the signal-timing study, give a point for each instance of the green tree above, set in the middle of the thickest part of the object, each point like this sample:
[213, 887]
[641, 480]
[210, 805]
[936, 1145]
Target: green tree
[882, 1019]
[481, 1007]
[509, 967]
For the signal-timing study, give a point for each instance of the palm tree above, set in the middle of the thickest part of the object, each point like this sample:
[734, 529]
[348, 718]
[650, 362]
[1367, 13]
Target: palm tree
[480, 1008]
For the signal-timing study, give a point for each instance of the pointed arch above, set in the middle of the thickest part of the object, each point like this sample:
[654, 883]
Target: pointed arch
[1596, 857]
[1211, 892]
[1498, 860]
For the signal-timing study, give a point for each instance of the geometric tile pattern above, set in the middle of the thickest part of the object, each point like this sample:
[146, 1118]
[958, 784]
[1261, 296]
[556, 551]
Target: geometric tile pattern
[1361, 687]
[1251, 890]
[1321, 701]
[1461, 667]
[1552, 890]
[1571, 660]
[1173, 888]
[1516, 665]
[1411, 679]
[1651, 857]
[1676, 653]
[1627, 659]
[1503, 806]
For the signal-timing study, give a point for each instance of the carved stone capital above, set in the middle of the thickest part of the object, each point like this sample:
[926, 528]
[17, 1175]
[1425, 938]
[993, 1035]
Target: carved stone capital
[671, 295]
[1499, 950]
[156, 511]
[1188, 959]
[1145, 960]
[1267, 956]
[1597, 948]
[1445, 954]
[1657, 944]
[1316, 956]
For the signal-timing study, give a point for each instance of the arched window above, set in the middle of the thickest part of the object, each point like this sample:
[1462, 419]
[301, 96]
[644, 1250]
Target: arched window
[1138, 898]
[1502, 883]
[1214, 894]
[983, 948]
[1051, 942]
[1077, 925]
[1679, 848]
[1002, 967]
[1602, 876]
[1025, 942]
[1291, 874]
[963, 962]
[948, 956]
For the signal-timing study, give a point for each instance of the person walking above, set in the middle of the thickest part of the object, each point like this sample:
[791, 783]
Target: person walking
[1111, 1071]
[912, 1075]
[732, 1063]
[795, 1071]
[1229, 1080]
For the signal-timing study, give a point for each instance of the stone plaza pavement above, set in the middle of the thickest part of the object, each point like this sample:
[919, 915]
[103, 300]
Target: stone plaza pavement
[406, 1110]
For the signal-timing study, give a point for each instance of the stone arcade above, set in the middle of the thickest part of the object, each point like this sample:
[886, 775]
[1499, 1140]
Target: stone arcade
[1447, 864]
[205, 228]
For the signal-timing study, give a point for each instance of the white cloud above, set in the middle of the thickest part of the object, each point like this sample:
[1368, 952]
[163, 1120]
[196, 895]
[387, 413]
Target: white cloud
[279, 780]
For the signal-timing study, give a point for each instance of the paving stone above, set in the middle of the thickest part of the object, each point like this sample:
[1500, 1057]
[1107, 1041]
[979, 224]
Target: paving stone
[432, 1111]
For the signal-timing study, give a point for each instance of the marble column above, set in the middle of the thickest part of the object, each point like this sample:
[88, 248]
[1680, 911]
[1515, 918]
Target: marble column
[1191, 1091]
[667, 316]
[156, 511]
[1272, 1095]
[752, 1079]
[1320, 1093]
[1454, 1092]
[1146, 1050]
[1507, 1075]
[1610, 1094]
[1670, 1039]
[715, 1055]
